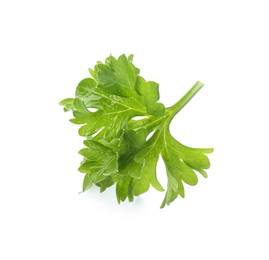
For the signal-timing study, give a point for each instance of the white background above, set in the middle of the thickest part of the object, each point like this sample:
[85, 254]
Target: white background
[46, 49]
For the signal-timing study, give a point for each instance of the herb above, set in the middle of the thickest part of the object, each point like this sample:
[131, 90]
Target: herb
[122, 150]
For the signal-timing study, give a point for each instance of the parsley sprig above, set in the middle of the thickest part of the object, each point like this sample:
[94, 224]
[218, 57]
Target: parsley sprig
[123, 151]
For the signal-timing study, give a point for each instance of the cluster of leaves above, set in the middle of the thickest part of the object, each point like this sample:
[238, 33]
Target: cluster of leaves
[122, 150]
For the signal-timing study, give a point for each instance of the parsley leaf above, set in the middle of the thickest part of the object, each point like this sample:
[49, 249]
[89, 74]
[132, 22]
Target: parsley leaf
[123, 151]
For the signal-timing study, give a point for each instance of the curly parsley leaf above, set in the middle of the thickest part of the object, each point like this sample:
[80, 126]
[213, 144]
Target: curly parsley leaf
[119, 149]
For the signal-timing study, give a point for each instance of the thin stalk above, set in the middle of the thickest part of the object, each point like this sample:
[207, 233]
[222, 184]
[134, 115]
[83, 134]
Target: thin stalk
[173, 110]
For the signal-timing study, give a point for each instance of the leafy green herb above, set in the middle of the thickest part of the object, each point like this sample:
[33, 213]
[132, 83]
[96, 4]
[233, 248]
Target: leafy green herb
[124, 151]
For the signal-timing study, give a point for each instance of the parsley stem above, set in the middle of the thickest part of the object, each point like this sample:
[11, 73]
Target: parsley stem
[173, 110]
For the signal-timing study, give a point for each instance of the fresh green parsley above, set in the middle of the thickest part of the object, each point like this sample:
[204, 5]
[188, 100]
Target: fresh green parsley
[123, 150]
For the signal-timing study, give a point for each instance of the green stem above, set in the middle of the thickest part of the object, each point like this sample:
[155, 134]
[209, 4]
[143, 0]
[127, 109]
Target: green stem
[173, 110]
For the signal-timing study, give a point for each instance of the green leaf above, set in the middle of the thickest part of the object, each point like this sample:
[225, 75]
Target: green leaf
[180, 160]
[80, 106]
[67, 104]
[174, 163]
[99, 161]
[150, 92]
[87, 182]
[117, 76]
[106, 183]
[85, 89]
[148, 156]
[122, 150]
[108, 94]
[122, 187]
